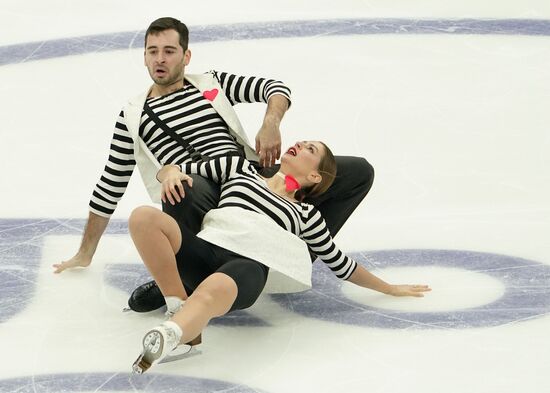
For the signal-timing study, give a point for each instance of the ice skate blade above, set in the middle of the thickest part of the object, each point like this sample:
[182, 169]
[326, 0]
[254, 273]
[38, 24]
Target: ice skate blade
[140, 365]
[184, 353]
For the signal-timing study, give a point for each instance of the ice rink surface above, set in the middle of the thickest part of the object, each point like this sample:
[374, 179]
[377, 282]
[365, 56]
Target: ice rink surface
[447, 100]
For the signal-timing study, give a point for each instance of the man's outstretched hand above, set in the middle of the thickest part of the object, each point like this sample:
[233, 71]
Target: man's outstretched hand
[77, 261]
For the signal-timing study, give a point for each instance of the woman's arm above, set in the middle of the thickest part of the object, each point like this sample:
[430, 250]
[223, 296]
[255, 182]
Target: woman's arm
[218, 169]
[319, 241]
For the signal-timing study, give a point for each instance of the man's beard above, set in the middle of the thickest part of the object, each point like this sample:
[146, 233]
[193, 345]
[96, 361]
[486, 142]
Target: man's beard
[166, 81]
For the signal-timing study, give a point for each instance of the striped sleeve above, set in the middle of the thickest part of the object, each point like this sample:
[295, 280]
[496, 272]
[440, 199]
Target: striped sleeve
[117, 172]
[319, 241]
[250, 89]
[220, 169]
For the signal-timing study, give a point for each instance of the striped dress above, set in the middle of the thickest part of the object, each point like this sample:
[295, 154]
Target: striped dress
[242, 187]
[191, 116]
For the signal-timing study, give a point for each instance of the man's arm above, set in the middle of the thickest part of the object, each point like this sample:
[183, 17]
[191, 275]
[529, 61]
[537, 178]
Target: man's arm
[107, 192]
[275, 94]
[92, 233]
[268, 139]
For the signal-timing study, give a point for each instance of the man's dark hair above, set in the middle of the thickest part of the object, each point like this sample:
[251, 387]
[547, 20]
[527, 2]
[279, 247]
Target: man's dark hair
[168, 23]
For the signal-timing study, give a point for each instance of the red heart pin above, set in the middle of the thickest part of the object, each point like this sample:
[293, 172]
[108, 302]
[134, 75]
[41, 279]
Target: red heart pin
[210, 95]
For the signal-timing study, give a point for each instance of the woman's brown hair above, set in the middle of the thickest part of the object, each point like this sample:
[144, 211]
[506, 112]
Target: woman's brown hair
[327, 170]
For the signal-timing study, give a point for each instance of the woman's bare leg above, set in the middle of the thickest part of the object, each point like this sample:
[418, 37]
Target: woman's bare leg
[212, 298]
[158, 238]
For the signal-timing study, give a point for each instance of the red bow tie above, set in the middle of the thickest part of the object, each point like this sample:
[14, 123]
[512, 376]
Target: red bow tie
[291, 184]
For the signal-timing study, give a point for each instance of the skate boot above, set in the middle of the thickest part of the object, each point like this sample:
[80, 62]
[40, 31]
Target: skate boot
[173, 305]
[147, 297]
[158, 343]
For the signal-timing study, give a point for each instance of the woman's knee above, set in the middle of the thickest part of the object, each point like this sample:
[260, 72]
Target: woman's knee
[143, 218]
[216, 287]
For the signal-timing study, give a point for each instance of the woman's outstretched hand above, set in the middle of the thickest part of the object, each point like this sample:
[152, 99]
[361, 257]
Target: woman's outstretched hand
[171, 178]
[366, 279]
[409, 290]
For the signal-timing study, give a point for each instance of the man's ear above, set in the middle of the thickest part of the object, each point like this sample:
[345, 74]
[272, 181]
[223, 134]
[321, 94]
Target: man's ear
[187, 57]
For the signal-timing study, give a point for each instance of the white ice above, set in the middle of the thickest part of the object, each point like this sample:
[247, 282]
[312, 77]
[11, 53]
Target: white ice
[456, 127]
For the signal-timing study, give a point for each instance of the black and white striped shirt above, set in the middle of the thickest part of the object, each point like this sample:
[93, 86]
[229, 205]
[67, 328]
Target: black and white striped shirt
[243, 187]
[191, 116]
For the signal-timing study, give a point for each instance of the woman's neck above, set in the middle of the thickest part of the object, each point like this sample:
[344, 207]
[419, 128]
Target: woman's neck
[277, 184]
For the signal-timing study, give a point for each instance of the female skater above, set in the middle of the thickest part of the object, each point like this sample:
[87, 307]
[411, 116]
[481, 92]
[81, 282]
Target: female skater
[260, 227]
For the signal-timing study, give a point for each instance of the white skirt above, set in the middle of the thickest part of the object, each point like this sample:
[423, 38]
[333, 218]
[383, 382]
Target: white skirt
[256, 236]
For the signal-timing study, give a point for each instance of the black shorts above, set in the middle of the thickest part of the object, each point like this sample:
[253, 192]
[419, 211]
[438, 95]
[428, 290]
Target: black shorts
[197, 259]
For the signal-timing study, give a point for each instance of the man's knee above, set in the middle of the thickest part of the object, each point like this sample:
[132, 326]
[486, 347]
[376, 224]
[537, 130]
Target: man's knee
[186, 201]
[354, 174]
[366, 173]
[201, 197]
[357, 166]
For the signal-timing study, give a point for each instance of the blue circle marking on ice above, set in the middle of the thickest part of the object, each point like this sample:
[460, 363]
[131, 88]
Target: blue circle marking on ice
[519, 290]
[21, 246]
[117, 382]
[525, 284]
[24, 52]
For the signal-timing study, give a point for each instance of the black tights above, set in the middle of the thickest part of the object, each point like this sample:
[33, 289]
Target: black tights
[197, 259]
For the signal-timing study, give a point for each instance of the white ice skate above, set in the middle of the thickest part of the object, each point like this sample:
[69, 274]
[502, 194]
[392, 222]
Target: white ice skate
[158, 343]
[173, 305]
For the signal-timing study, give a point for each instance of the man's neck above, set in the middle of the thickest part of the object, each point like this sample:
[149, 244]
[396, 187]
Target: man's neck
[162, 90]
